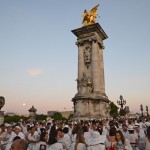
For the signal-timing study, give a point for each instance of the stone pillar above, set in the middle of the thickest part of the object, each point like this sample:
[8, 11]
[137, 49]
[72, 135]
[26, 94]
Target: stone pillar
[90, 101]
[95, 67]
[2, 117]
[101, 68]
[80, 60]
[2, 103]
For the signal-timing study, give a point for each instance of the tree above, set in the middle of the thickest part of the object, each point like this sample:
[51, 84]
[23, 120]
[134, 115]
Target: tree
[40, 117]
[70, 117]
[15, 118]
[113, 109]
[57, 116]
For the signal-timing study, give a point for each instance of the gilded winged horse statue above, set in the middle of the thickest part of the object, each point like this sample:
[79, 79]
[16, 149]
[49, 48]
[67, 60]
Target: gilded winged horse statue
[89, 17]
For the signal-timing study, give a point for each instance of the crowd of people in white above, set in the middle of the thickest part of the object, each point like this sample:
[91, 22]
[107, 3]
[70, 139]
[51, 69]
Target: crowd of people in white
[102, 134]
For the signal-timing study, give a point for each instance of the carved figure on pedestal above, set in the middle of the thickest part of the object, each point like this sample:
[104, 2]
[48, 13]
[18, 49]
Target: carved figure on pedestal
[90, 86]
[87, 55]
[2, 102]
[78, 85]
[84, 85]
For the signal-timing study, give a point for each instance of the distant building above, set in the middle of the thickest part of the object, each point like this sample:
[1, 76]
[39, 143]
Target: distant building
[10, 114]
[51, 113]
[66, 114]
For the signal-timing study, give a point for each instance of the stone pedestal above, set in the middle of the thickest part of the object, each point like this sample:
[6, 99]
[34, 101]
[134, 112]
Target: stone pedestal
[2, 103]
[90, 100]
[2, 117]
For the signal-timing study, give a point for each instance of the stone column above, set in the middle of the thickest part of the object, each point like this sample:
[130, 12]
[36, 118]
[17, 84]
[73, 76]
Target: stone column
[102, 80]
[80, 60]
[95, 66]
[2, 103]
[1, 117]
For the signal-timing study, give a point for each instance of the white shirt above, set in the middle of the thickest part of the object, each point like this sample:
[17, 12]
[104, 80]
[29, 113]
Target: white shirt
[147, 143]
[80, 146]
[13, 135]
[66, 141]
[40, 144]
[33, 137]
[55, 146]
[21, 135]
[132, 138]
[125, 134]
[73, 138]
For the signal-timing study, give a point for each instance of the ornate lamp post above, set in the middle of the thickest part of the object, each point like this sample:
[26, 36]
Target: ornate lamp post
[147, 111]
[141, 106]
[121, 102]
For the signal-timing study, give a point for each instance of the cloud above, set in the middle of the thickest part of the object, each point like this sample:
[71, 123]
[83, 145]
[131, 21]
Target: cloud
[34, 72]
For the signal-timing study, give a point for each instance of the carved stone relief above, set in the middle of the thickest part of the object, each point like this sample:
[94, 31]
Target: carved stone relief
[84, 85]
[87, 55]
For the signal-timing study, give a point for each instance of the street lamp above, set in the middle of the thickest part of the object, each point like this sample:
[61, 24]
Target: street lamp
[121, 102]
[147, 111]
[141, 110]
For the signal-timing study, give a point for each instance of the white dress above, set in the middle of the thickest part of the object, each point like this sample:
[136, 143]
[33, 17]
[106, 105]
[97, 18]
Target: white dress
[80, 146]
[140, 137]
[40, 145]
[55, 146]
[34, 138]
[147, 143]
[127, 145]
[73, 138]
[132, 138]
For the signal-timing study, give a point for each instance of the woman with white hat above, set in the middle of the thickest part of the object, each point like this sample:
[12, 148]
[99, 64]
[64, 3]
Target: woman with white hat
[132, 137]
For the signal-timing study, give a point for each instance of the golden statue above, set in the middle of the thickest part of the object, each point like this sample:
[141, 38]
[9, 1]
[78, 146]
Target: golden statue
[89, 17]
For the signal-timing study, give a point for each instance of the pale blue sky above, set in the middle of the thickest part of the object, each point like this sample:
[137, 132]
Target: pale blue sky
[38, 55]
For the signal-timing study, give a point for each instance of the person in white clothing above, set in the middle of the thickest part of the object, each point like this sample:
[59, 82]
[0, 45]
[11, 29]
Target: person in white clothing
[124, 130]
[33, 138]
[64, 138]
[74, 134]
[140, 136]
[147, 139]
[16, 133]
[132, 137]
[80, 142]
[121, 142]
[42, 144]
[52, 142]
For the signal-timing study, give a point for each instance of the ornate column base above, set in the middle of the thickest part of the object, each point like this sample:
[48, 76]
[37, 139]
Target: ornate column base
[90, 107]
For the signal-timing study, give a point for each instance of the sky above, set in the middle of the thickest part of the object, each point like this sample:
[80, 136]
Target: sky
[38, 55]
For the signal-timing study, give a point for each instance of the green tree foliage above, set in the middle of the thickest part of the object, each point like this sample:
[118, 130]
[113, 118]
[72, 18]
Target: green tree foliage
[70, 117]
[15, 118]
[57, 116]
[113, 109]
[40, 117]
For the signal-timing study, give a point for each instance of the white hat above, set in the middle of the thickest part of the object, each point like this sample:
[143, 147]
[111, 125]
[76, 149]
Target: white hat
[7, 125]
[17, 127]
[136, 125]
[130, 128]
